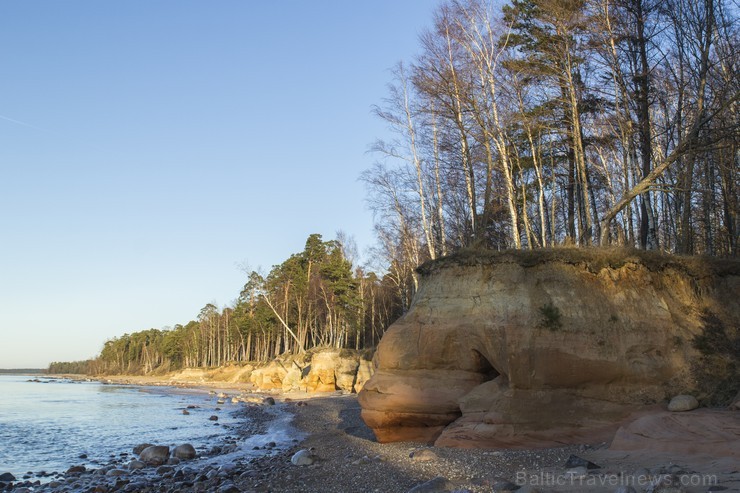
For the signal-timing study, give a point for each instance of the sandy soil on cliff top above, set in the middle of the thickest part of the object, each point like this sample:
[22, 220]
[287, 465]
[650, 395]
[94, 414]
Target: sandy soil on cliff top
[349, 459]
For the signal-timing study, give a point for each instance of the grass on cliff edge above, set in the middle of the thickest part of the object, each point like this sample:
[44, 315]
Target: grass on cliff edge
[593, 259]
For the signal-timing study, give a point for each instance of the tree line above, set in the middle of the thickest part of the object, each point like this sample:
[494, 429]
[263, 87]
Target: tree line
[524, 124]
[540, 123]
[314, 298]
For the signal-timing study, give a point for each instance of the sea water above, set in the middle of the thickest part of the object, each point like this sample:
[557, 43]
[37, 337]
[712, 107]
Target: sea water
[47, 425]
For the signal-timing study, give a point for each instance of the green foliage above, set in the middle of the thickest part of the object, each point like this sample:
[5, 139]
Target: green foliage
[315, 293]
[551, 318]
[717, 370]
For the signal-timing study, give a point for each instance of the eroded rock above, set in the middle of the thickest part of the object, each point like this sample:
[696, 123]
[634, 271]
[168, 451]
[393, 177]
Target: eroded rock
[521, 350]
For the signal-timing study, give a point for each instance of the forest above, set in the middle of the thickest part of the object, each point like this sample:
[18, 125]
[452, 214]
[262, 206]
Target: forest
[523, 125]
[314, 298]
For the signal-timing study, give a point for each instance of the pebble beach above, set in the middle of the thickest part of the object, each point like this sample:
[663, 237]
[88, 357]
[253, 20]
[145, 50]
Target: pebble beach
[324, 446]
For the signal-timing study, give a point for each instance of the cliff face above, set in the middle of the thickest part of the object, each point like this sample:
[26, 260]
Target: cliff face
[523, 349]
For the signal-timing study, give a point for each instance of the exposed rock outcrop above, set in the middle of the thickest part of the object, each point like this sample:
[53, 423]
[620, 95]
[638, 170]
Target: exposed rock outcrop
[319, 370]
[524, 349]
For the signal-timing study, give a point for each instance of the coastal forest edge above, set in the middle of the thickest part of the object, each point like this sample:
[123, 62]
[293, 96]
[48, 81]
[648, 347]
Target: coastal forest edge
[523, 125]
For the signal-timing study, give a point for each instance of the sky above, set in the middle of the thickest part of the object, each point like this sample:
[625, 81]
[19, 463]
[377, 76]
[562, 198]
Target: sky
[150, 150]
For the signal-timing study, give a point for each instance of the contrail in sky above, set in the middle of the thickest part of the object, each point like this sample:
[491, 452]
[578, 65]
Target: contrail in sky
[20, 122]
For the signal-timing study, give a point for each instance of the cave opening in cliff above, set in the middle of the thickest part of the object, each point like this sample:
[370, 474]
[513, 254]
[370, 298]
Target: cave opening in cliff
[484, 366]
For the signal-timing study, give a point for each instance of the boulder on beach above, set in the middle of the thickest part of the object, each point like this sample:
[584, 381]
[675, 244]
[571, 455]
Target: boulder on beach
[155, 455]
[682, 403]
[304, 457]
[184, 452]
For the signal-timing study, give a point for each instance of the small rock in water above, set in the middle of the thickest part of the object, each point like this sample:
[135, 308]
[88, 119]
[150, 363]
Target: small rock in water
[682, 403]
[436, 485]
[213, 418]
[575, 461]
[185, 412]
[7, 477]
[268, 401]
[82, 456]
[304, 457]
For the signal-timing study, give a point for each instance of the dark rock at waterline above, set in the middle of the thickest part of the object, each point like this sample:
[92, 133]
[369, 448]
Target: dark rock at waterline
[6, 477]
[213, 418]
[268, 401]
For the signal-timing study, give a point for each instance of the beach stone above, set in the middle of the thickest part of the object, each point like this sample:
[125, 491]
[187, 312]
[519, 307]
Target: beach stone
[136, 464]
[164, 469]
[625, 489]
[185, 412]
[576, 472]
[173, 461]
[213, 418]
[423, 455]
[7, 477]
[141, 446]
[156, 455]
[268, 401]
[575, 461]
[505, 487]
[436, 485]
[116, 472]
[303, 457]
[185, 451]
[228, 488]
[682, 403]
[76, 469]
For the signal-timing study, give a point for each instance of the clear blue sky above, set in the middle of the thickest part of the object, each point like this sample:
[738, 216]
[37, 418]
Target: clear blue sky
[149, 148]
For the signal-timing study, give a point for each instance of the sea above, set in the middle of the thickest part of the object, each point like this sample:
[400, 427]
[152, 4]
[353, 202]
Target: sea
[50, 424]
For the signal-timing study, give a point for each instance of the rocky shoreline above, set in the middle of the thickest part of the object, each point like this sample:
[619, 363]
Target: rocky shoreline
[319, 443]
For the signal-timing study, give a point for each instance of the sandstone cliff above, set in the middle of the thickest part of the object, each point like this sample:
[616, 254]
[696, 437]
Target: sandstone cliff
[318, 370]
[540, 348]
